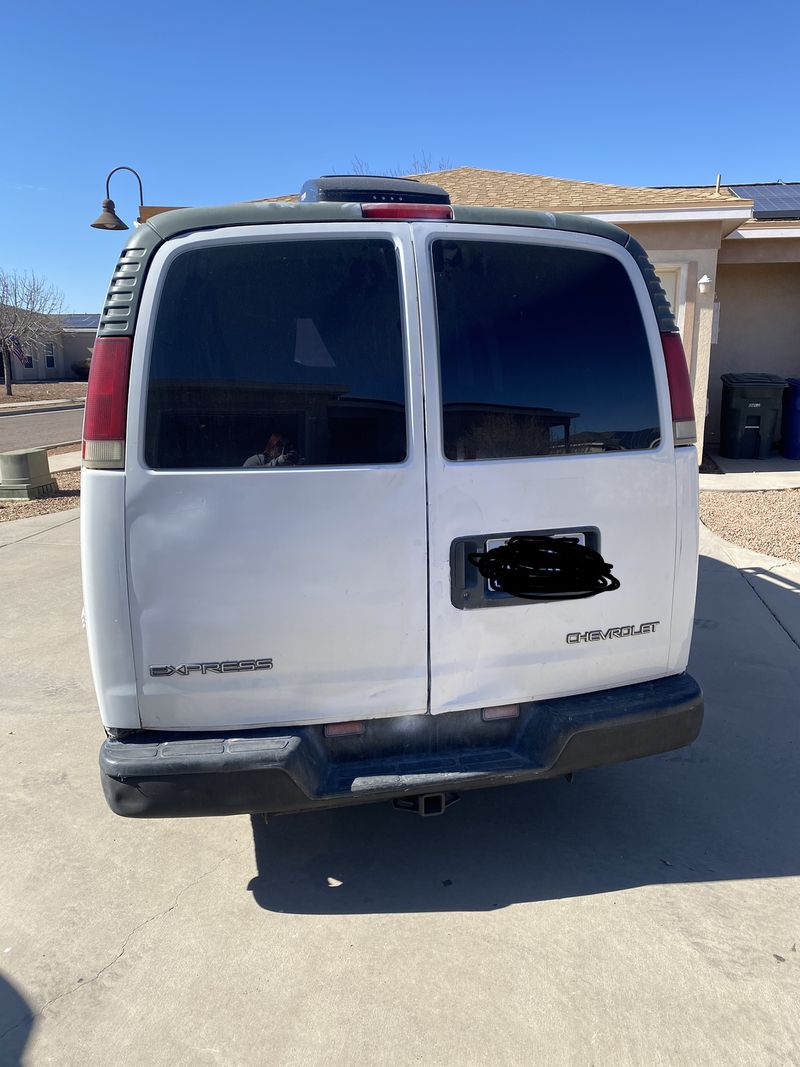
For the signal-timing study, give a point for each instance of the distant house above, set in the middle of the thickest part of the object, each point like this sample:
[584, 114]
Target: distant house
[728, 257]
[54, 359]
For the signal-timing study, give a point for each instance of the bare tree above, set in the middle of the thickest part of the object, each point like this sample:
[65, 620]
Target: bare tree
[30, 309]
[422, 164]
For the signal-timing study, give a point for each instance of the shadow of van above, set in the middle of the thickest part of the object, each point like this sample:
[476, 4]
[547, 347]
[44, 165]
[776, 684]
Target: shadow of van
[728, 807]
[16, 1023]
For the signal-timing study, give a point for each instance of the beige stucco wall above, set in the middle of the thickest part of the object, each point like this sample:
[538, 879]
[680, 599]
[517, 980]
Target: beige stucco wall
[69, 347]
[755, 250]
[759, 324]
[77, 345]
[39, 371]
[693, 247]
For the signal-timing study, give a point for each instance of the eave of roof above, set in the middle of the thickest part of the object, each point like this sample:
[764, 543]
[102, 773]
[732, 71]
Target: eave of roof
[767, 229]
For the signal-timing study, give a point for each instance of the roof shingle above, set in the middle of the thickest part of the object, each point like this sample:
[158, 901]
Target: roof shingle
[503, 188]
[470, 185]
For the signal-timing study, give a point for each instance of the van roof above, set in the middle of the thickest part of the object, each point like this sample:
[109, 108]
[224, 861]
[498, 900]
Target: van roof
[122, 302]
[169, 224]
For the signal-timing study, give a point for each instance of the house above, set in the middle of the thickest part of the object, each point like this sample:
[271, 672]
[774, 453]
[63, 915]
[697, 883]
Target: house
[54, 359]
[727, 255]
[758, 291]
[728, 258]
[76, 340]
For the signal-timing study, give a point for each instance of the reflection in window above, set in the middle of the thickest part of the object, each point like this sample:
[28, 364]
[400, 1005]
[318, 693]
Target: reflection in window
[278, 349]
[542, 352]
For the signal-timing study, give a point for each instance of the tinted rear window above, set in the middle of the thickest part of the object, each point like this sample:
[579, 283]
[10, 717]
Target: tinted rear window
[278, 354]
[542, 351]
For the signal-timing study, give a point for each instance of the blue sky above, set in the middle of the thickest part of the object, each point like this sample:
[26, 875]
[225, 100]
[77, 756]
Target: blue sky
[245, 99]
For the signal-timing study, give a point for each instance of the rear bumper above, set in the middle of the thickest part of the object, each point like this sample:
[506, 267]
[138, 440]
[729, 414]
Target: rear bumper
[157, 775]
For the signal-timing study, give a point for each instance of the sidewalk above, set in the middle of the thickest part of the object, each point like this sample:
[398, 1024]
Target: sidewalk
[30, 407]
[41, 528]
[67, 461]
[770, 578]
[752, 475]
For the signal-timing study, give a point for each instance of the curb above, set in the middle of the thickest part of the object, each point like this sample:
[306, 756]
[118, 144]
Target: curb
[69, 515]
[40, 409]
[770, 578]
[716, 487]
[742, 557]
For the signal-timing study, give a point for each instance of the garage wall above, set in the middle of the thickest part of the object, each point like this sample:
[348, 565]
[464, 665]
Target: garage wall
[759, 326]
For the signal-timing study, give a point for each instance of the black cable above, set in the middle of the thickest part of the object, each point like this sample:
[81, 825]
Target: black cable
[546, 568]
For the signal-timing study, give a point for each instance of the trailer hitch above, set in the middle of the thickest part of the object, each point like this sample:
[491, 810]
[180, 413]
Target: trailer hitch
[426, 803]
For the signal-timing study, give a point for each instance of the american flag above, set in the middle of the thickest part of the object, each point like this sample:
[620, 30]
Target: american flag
[16, 348]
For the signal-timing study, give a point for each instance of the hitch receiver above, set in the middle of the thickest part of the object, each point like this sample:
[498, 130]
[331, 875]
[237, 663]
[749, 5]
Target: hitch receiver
[426, 804]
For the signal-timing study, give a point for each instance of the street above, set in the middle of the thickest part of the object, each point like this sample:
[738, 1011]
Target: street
[647, 913]
[40, 429]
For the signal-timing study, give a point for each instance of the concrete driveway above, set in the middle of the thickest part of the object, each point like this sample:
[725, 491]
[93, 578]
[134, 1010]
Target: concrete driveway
[646, 914]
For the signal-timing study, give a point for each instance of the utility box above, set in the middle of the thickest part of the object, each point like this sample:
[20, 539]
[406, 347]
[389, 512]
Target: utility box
[750, 406]
[25, 475]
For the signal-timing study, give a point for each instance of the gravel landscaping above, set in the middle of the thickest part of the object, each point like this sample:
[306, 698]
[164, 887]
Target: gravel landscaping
[69, 487]
[764, 522]
[26, 392]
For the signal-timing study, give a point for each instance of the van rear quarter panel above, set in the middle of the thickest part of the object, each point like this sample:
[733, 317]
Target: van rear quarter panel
[686, 557]
[105, 597]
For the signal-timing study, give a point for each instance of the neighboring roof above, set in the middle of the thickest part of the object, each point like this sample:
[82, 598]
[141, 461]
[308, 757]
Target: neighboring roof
[503, 188]
[80, 322]
[772, 200]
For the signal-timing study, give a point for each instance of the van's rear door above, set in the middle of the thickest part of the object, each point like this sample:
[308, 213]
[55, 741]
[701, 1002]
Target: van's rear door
[546, 396]
[275, 496]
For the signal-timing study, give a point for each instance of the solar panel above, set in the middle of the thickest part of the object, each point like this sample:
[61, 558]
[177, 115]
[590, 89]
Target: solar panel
[772, 201]
[80, 322]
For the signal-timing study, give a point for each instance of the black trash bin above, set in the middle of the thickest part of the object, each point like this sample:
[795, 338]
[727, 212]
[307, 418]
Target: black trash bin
[790, 423]
[750, 406]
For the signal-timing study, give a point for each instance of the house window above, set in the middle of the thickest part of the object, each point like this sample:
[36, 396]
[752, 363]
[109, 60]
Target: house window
[49, 355]
[27, 361]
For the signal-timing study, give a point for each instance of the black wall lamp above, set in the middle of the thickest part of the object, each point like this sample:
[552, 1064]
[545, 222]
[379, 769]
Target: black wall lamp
[108, 219]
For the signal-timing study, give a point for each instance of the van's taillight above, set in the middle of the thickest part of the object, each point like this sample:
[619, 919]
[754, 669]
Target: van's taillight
[407, 211]
[684, 430]
[107, 404]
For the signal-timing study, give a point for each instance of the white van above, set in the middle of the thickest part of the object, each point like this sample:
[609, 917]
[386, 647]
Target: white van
[383, 498]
